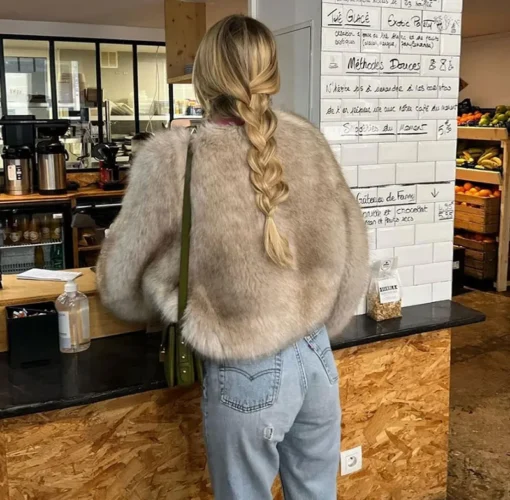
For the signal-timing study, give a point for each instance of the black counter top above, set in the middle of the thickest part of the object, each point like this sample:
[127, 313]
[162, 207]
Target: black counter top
[128, 364]
[415, 320]
[112, 367]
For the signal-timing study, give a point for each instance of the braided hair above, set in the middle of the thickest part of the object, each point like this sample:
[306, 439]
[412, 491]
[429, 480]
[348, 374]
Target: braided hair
[235, 73]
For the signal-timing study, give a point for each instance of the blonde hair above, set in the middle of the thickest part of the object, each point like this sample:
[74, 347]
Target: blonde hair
[235, 73]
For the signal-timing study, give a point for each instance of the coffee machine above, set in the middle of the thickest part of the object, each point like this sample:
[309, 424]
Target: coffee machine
[24, 138]
[109, 173]
[18, 153]
[51, 158]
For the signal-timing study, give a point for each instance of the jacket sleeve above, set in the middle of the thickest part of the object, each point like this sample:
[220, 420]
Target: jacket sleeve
[356, 270]
[148, 222]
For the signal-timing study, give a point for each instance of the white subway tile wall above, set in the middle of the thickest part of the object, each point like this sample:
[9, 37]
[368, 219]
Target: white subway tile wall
[411, 173]
[442, 291]
[389, 237]
[382, 254]
[406, 276]
[443, 252]
[415, 295]
[433, 273]
[389, 89]
[445, 171]
[351, 175]
[415, 255]
[434, 233]
[376, 175]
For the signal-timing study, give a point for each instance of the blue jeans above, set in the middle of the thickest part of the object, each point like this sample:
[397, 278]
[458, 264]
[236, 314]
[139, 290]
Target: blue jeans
[279, 414]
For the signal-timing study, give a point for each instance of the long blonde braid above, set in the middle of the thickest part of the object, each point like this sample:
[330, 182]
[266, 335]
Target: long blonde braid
[235, 73]
[266, 172]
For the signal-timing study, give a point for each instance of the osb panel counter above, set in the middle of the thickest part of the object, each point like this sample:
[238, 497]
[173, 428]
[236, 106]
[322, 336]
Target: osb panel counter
[148, 445]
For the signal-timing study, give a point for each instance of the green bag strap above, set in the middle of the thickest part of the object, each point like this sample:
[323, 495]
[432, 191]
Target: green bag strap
[180, 361]
[184, 356]
[185, 237]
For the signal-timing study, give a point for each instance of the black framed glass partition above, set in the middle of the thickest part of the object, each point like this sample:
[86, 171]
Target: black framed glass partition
[52, 77]
[76, 78]
[117, 80]
[27, 78]
[153, 96]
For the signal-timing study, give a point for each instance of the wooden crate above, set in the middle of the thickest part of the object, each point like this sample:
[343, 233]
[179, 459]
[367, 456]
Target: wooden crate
[480, 260]
[484, 205]
[481, 274]
[482, 246]
[476, 227]
[479, 215]
[480, 264]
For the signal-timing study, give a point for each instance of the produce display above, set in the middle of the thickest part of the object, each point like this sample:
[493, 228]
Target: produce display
[500, 117]
[485, 238]
[478, 191]
[482, 158]
[479, 215]
[470, 119]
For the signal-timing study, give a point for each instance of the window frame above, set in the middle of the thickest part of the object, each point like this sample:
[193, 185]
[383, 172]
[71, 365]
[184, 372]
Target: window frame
[53, 72]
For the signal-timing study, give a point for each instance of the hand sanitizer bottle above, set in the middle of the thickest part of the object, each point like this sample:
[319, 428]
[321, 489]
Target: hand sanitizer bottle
[73, 319]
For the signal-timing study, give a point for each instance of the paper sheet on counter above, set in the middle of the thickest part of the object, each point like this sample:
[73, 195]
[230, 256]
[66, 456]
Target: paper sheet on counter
[45, 275]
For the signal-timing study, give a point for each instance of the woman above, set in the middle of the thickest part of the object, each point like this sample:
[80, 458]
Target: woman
[278, 257]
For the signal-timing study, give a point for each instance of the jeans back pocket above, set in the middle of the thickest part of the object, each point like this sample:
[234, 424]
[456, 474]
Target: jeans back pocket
[320, 344]
[250, 386]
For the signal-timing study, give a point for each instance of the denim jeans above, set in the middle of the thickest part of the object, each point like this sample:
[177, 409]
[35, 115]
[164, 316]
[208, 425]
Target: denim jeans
[279, 414]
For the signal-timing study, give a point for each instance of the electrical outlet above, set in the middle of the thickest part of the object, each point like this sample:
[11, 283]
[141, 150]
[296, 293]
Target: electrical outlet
[351, 461]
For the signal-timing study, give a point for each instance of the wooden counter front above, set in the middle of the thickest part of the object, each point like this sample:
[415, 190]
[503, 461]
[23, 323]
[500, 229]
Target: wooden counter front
[102, 322]
[395, 401]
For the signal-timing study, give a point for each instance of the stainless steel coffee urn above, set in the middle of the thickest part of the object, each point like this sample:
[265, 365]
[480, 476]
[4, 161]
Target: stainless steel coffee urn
[18, 170]
[51, 160]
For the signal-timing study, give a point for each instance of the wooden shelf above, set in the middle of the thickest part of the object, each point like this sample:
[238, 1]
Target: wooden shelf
[483, 133]
[481, 176]
[92, 248]
[502, 179]
[180, 79]
[9, 199]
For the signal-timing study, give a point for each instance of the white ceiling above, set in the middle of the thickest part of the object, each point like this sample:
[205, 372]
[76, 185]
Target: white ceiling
[139, 13]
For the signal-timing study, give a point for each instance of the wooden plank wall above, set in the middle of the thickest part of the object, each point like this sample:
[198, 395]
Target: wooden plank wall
[395, 397]
[217, 10]
[185, 27]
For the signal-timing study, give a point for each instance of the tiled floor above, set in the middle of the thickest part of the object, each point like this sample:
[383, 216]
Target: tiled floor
[480, 403]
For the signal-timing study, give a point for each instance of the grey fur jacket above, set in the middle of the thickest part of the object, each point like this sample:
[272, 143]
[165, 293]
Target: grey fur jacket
[241, 305]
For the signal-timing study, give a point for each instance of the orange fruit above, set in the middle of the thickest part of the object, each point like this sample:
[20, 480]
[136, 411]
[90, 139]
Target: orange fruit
[478, 188]
[459, 189]
[468, 186]
[472, 191]
[497, 193]
[484, 193]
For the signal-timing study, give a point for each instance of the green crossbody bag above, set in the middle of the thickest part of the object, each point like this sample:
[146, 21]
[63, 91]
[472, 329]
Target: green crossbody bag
[182, 365]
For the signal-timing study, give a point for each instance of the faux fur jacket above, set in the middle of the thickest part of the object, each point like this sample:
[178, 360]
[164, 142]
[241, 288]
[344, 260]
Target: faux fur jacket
[241, 305]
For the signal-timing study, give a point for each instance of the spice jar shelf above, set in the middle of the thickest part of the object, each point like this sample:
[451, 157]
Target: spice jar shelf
[28, 245]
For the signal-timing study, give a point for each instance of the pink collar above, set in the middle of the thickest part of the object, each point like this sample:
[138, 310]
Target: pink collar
[229, 121]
